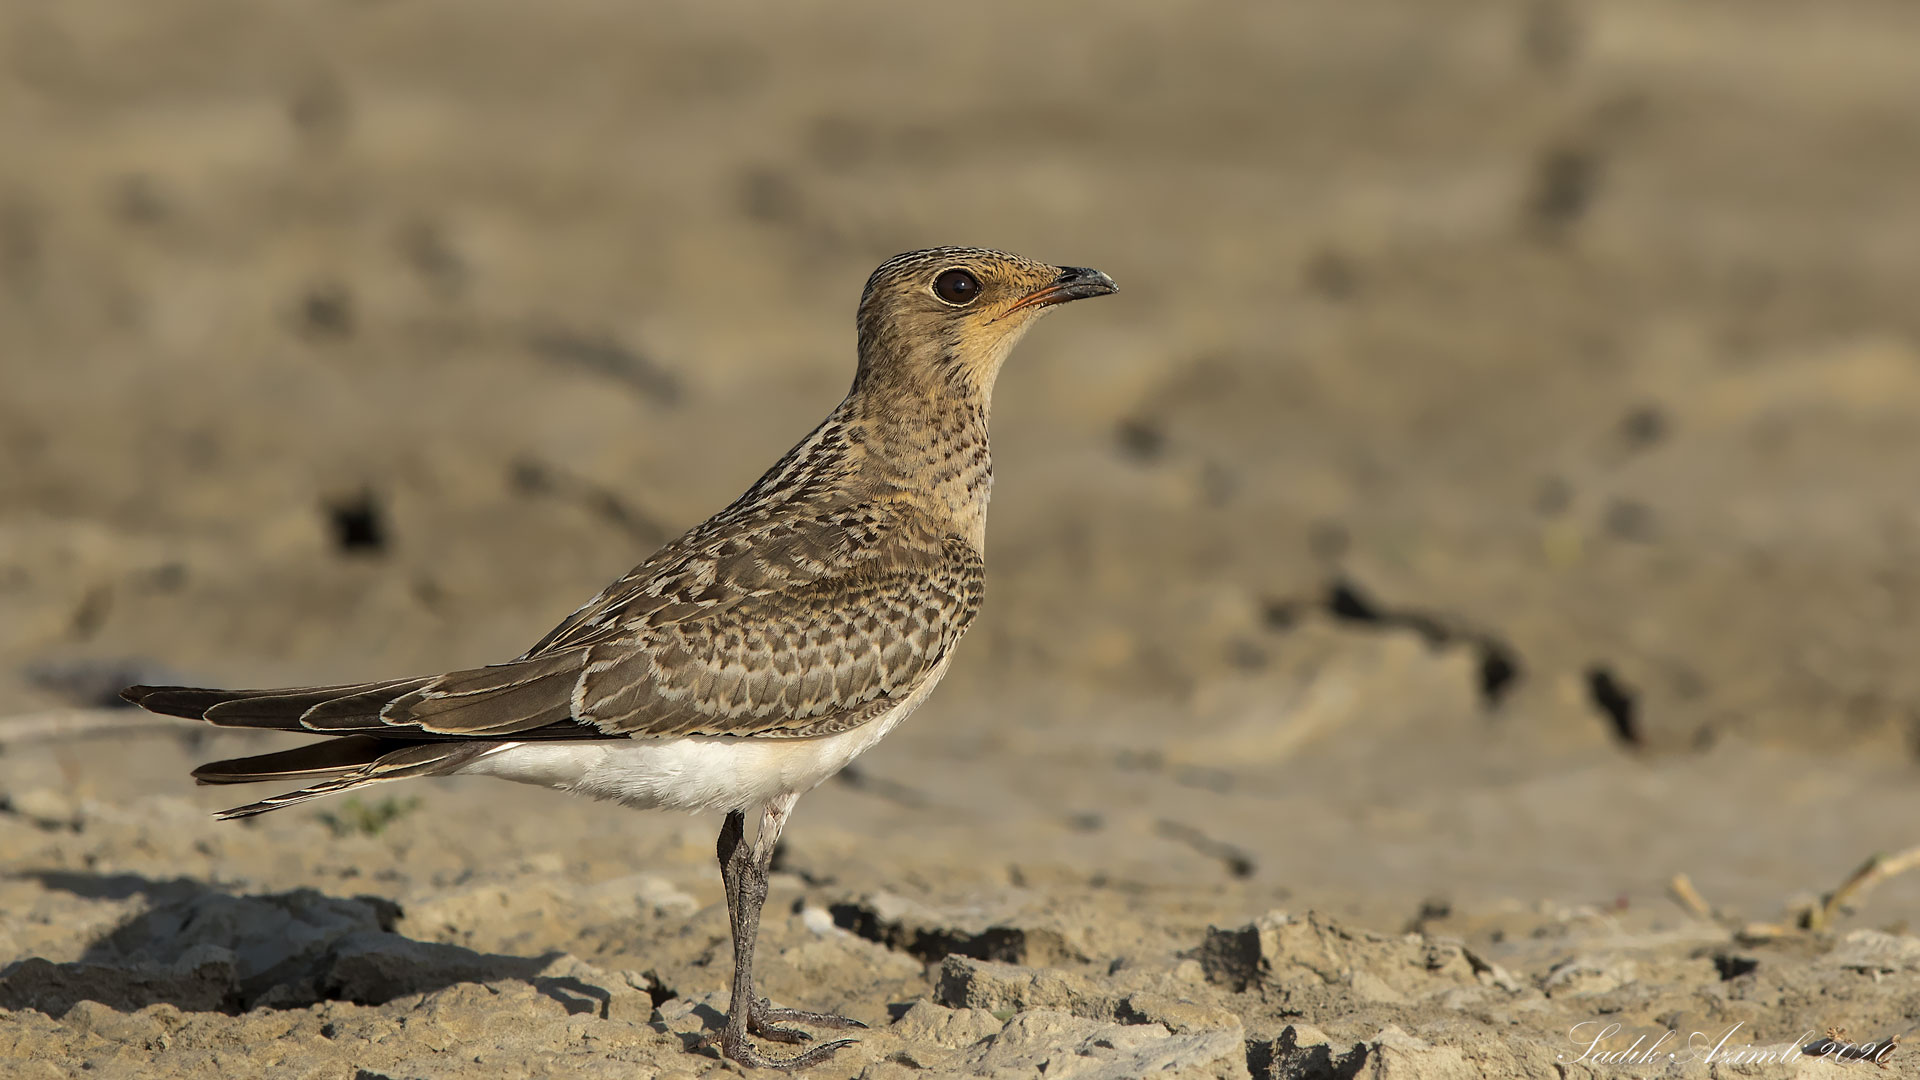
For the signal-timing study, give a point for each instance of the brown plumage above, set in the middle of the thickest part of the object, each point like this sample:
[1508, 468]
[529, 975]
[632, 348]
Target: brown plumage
[746, 661]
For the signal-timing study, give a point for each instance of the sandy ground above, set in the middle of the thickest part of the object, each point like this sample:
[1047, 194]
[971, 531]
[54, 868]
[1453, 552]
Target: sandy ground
[1492, 495]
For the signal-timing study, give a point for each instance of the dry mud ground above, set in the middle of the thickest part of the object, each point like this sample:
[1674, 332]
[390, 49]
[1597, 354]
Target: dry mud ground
[1492, 495]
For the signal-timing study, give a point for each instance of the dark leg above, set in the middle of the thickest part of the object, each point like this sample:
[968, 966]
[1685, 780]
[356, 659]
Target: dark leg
[744, 873]
[764, 1016]
[737, 866]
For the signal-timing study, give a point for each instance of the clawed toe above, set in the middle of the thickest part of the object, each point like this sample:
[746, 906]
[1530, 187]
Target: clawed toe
[763, 1021]
[745, 1054]
[764, 1012]
[771, 1033]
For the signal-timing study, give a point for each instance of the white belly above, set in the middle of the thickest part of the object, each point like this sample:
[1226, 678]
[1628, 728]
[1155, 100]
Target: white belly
[697, 772]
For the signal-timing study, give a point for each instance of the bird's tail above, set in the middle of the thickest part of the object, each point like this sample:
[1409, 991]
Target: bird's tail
[328, 767]
[338, 765]
[319, 709]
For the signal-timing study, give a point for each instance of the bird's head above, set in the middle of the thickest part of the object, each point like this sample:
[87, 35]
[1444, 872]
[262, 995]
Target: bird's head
[944, 319]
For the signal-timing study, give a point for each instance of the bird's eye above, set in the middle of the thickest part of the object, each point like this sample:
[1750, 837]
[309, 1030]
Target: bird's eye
[957, 287]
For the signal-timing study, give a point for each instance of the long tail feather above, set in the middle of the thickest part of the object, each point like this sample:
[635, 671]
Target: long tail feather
[291, 798]
[319, 759]
[309, 762]
[281, 710]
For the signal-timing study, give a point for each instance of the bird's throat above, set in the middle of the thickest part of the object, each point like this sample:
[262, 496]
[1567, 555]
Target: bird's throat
[922, 441]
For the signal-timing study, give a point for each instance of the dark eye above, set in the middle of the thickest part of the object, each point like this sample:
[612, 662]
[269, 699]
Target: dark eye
[957, 287]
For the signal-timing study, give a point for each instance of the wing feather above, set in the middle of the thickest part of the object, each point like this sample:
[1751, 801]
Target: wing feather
[730, 558]
[786, 663]
[796, 629]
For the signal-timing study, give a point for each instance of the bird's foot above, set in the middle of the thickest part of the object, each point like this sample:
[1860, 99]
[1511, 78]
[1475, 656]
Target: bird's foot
[764, 1020]
[737, 1049]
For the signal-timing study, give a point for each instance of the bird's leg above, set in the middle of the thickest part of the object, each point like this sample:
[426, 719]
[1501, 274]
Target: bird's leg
[744, 872]
[765, 1015]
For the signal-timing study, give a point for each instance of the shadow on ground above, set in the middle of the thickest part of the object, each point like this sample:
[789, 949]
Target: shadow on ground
[203, 949]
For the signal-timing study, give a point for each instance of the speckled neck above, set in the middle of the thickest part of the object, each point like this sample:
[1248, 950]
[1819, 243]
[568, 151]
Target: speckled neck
[934, 449]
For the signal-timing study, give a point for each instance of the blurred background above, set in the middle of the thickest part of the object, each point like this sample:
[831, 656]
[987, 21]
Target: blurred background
[1495, 483]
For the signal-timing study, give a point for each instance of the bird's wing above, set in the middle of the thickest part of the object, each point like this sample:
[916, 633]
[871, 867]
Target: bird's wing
[728, 560]
[822, 656]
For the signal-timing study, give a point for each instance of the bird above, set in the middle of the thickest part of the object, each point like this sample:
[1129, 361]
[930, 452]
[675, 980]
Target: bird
[746, 662]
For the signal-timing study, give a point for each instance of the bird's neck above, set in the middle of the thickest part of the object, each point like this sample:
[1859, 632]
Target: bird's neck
[930, 442]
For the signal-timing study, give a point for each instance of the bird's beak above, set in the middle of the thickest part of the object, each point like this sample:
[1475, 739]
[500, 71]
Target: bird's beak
[1074, 283]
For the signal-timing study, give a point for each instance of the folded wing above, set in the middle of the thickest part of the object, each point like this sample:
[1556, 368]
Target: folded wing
[805, 659]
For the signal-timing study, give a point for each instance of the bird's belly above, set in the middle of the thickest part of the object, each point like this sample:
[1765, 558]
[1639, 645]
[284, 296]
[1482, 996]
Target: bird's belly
[696, 772]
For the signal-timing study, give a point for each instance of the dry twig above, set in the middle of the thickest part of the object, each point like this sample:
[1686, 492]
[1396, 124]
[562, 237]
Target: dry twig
[1682, 890]
[1871, 873]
